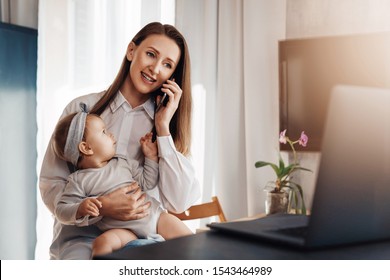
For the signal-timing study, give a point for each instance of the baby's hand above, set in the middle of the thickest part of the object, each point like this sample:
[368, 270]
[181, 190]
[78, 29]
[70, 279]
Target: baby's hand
[148, 147]
[89, 206]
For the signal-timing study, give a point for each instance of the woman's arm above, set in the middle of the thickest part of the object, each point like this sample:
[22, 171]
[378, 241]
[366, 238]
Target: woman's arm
[178, 186]
[53, 178]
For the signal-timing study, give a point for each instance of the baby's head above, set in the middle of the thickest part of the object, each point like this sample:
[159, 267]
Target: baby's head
[81, 135]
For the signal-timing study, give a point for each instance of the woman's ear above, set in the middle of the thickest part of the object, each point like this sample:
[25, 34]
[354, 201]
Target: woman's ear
[85, 149]
[130, 51]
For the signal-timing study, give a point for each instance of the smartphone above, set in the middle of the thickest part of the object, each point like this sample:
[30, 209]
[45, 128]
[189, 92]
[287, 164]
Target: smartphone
[164, 98]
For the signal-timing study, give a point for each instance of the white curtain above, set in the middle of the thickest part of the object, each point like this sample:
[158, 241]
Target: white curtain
[234, 50]
[263, 27]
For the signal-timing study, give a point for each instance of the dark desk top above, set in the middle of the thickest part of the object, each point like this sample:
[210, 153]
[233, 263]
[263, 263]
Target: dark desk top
[211, 245]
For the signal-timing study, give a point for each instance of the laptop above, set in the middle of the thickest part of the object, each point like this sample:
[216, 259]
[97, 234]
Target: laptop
[351, 203]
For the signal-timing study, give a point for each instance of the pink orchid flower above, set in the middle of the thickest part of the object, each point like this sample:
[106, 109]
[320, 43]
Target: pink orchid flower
[303, 139]
[282, 137]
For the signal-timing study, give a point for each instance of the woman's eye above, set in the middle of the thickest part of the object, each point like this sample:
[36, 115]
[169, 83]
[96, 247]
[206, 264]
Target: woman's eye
[104, 131]
[150, 54]
[168, 65]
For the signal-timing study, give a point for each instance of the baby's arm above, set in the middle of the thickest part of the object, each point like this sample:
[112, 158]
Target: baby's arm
[73, 206]
[148, 147]
[147, 175]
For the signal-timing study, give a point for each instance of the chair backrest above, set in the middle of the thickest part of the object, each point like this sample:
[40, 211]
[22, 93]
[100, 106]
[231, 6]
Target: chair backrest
[204, 210]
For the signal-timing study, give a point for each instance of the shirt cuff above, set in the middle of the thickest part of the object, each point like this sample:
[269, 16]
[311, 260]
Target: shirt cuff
[166, 146]
[82, 222]
[87, 221]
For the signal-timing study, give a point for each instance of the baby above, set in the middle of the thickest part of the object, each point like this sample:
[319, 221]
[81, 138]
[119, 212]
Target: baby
[82, 140]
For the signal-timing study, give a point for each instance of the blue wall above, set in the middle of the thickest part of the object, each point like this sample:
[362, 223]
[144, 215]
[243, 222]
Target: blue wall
[18, 130]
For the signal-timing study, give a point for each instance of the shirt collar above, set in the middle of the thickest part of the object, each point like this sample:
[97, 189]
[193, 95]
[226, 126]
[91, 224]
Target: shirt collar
[149, 107]
[120, 100]
[117, 102]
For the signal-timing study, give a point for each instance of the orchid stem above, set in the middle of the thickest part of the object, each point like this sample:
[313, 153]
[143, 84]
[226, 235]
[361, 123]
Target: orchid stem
[293, 149]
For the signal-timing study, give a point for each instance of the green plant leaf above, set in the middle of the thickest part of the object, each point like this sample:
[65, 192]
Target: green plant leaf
[281, 163]
[302, 168]
[285, 172]
[259, 164]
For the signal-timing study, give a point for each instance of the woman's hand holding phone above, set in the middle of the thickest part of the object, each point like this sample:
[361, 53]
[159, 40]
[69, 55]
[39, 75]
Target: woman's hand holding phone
[164, 114]
[163, 101]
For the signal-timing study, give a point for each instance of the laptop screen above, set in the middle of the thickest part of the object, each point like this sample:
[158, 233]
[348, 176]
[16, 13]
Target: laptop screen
[351, 201]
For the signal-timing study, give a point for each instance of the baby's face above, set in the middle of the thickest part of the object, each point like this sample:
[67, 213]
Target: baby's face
[101, 141]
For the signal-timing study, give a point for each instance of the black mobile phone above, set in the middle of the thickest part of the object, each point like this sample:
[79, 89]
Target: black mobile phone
[163, 101]
[164, 98]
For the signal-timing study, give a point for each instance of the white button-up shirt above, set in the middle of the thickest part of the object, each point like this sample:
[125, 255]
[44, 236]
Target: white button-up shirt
[177, 189]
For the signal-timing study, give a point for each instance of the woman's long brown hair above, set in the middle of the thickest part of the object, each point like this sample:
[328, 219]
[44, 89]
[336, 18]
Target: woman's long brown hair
[180, 125]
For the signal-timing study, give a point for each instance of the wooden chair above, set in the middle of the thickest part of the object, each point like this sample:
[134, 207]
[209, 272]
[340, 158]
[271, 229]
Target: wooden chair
[205, 210]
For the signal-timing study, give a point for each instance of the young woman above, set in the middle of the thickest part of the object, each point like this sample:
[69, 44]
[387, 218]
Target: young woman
[156, 60]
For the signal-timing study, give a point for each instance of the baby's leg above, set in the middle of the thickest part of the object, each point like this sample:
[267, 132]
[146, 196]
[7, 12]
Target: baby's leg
[111, 240]
[170, 226]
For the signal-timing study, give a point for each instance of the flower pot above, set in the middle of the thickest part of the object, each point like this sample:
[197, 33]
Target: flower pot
[276, 202]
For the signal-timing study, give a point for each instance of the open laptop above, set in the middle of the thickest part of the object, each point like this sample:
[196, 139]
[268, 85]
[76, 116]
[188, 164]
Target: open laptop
[352, 197]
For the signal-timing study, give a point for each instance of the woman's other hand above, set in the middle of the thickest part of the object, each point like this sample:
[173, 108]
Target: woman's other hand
[125, 204]
[164, 115]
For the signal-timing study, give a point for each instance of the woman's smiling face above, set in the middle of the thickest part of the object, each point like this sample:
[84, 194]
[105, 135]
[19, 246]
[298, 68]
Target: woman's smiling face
[152, 62]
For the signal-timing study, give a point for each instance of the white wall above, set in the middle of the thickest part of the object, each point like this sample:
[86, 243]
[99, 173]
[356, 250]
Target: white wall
[317, 18]
[312, 18]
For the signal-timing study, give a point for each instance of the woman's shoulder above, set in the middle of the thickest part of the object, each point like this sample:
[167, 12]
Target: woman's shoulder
[89, 99]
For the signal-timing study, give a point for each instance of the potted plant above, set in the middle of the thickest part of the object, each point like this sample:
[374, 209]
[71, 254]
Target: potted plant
[283, 192]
